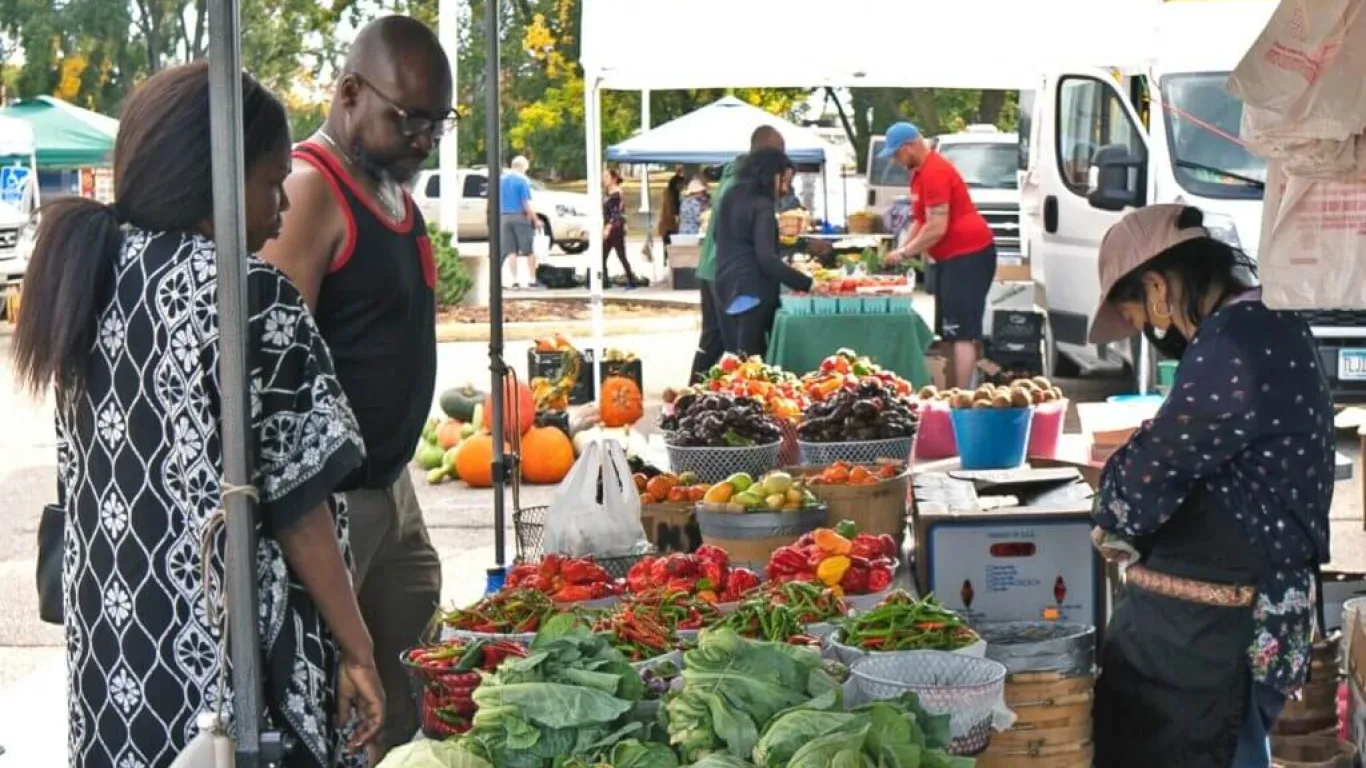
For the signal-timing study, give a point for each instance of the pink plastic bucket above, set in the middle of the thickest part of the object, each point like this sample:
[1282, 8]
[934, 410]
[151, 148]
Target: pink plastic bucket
[1046, 429]
[935, 439]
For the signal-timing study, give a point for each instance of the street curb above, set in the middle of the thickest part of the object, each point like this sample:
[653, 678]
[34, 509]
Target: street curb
[447, 333]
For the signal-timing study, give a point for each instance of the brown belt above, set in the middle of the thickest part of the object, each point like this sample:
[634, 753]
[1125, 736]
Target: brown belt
[1190, 590]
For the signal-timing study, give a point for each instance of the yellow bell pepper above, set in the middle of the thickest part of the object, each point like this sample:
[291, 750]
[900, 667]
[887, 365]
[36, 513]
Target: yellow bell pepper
[831, 570]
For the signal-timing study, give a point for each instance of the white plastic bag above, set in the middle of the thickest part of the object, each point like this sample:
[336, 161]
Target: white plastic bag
[540, 245]
[1312, 234]
[1306, 67]
[577, 524]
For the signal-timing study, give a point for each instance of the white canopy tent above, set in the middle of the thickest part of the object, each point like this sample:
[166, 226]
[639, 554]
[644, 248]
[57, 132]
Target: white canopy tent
[717, 133]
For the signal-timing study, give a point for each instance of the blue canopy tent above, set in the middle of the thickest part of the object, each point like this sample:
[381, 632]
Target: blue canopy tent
[714, 134]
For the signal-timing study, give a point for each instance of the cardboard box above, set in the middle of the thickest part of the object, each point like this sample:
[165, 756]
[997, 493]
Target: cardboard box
[1356, 684]
[671, 527]
[1005, 296]
[1011, 272]
[938, 366]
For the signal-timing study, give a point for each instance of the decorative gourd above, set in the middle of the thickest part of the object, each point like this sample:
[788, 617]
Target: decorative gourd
[620, 405]
[448, 434]
[547, 455]
[474, 460]
[525, 416]
[459, 403]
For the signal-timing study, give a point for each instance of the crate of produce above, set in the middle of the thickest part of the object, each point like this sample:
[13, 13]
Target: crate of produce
[870, 495]
[900, 305]
[796, 304]
[825, 305]
[850, 305]
[551, 365]
[874, 305]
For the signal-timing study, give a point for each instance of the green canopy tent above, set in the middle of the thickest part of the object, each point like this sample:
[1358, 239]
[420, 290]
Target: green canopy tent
[67, 136]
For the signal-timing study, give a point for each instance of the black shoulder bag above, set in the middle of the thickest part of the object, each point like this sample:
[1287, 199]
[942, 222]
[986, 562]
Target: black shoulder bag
[49, 576]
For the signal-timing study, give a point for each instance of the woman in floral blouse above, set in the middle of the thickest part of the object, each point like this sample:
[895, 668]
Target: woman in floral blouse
[1218, 505]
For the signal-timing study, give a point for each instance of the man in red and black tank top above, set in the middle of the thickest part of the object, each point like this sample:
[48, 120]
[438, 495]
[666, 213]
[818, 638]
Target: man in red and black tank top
[357, 248]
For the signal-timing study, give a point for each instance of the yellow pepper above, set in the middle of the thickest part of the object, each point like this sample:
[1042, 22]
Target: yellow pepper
[832, 543]
[831, 570]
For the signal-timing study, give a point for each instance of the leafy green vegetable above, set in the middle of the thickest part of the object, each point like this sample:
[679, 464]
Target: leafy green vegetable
[637, 754]
[883, 734]
[720, 760]
[733, 687]
[566, 699]
[424, 753]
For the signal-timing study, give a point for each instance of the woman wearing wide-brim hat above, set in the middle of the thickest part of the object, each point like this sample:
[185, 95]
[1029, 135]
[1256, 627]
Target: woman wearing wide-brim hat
[1218, 505]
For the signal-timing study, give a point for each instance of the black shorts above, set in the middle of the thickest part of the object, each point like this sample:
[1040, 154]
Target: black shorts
[960, 298]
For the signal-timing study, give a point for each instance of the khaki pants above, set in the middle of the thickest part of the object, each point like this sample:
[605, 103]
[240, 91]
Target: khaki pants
[398, 578]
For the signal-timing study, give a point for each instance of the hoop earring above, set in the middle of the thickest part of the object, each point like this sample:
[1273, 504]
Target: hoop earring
[1164, 311]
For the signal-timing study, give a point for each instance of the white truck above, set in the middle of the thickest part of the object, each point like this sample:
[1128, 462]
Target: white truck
[565, 214]
[1098, 142]
[985, 156]
[15, 244]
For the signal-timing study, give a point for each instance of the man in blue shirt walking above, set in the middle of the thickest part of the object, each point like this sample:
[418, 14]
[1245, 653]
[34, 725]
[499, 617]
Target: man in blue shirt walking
[520, 224]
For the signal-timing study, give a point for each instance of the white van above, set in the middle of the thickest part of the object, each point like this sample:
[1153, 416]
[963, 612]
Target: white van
[985, 156]
[1097, 143]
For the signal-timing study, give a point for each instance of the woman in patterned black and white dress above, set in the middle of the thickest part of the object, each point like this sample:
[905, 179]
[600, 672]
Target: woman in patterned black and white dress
[120, 319]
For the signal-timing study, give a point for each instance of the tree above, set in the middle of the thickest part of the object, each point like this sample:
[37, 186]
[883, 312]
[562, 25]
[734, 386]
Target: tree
[933, 110]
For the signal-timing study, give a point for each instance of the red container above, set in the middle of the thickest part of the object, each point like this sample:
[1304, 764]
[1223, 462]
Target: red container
[1046, 429]
[935, 439]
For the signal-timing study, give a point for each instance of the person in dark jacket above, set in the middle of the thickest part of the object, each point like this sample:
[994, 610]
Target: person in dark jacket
[749, 270]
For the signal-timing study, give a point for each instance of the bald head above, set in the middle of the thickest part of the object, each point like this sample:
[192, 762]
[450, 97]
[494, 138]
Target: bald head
[766, 137]
[394, 98]
[391, 43]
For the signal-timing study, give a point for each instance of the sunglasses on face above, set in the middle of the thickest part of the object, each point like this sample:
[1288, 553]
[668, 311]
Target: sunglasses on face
[411, 124]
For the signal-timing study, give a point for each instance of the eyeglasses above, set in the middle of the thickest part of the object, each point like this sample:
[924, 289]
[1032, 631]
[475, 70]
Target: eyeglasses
[411, 125]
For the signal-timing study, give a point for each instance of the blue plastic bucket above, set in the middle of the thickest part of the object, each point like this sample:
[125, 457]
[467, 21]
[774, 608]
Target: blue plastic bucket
[991, 438]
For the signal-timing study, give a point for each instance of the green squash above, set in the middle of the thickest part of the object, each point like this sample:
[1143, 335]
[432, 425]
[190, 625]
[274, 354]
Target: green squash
[429, 456]
[459, 403]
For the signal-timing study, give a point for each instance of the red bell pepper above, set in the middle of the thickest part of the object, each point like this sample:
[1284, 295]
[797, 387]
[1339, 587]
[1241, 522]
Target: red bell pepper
[855, 580]
[710, 554]
[740, 581]
[879, 578]
[639, 578]
[889, 547]
[866, 545]
[550, 565]
[573, 593]
[786, 561]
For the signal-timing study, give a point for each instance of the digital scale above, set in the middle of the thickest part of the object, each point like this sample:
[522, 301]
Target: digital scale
[1010, 545]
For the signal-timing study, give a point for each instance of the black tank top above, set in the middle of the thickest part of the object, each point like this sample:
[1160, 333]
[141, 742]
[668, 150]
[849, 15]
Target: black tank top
[377, 312]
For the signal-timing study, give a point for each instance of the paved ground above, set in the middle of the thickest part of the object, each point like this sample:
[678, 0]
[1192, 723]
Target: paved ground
[32, 706]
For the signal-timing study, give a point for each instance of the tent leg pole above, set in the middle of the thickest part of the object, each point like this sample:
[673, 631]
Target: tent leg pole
[225, 129]
[498, 367]
[593, 128]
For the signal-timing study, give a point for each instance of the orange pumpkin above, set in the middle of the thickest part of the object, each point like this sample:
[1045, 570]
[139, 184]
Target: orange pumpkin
[547, 455]
[448, 434]
[526, 406]
[620, 405]
[474, 460]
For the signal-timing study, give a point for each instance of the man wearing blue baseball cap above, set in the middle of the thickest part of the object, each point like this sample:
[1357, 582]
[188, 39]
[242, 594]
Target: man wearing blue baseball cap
[946, 227]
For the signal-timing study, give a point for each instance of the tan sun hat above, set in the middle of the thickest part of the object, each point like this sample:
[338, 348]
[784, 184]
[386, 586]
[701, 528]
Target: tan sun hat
[1131, 242]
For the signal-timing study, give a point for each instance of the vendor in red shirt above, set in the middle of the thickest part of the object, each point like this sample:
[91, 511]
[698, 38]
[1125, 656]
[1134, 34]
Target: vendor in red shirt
[947, 227]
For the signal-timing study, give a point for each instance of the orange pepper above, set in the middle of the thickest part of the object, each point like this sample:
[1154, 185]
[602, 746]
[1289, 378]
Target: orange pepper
[832, 543]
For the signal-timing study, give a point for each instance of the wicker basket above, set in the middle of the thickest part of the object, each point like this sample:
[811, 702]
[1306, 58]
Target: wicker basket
[967, 688]
[858, 452]
[863, 223]
[877, 508]
[712, 465]
[529, 527]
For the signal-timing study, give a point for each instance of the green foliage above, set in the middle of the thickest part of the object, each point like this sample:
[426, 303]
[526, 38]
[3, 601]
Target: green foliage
[453, 281]
[935, 110]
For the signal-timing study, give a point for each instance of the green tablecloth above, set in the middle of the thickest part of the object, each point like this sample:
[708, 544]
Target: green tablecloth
[898, 342]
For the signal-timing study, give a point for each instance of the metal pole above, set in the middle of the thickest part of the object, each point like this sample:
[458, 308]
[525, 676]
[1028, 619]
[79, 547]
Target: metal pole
[448, 26]
[229, 206]
[493, 139]
[645, 167]
[592, 119]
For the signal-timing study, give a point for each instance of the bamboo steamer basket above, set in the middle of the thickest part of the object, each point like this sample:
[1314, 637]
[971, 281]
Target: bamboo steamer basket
[875, 509]
[1317, 709]
[1310, 752]
[1050, 690]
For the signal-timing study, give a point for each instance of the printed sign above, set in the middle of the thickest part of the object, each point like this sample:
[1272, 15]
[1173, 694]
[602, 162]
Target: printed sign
[13, 182]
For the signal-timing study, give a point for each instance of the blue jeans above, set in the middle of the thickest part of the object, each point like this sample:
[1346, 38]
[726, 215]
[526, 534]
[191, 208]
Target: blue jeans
[1254, 741]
